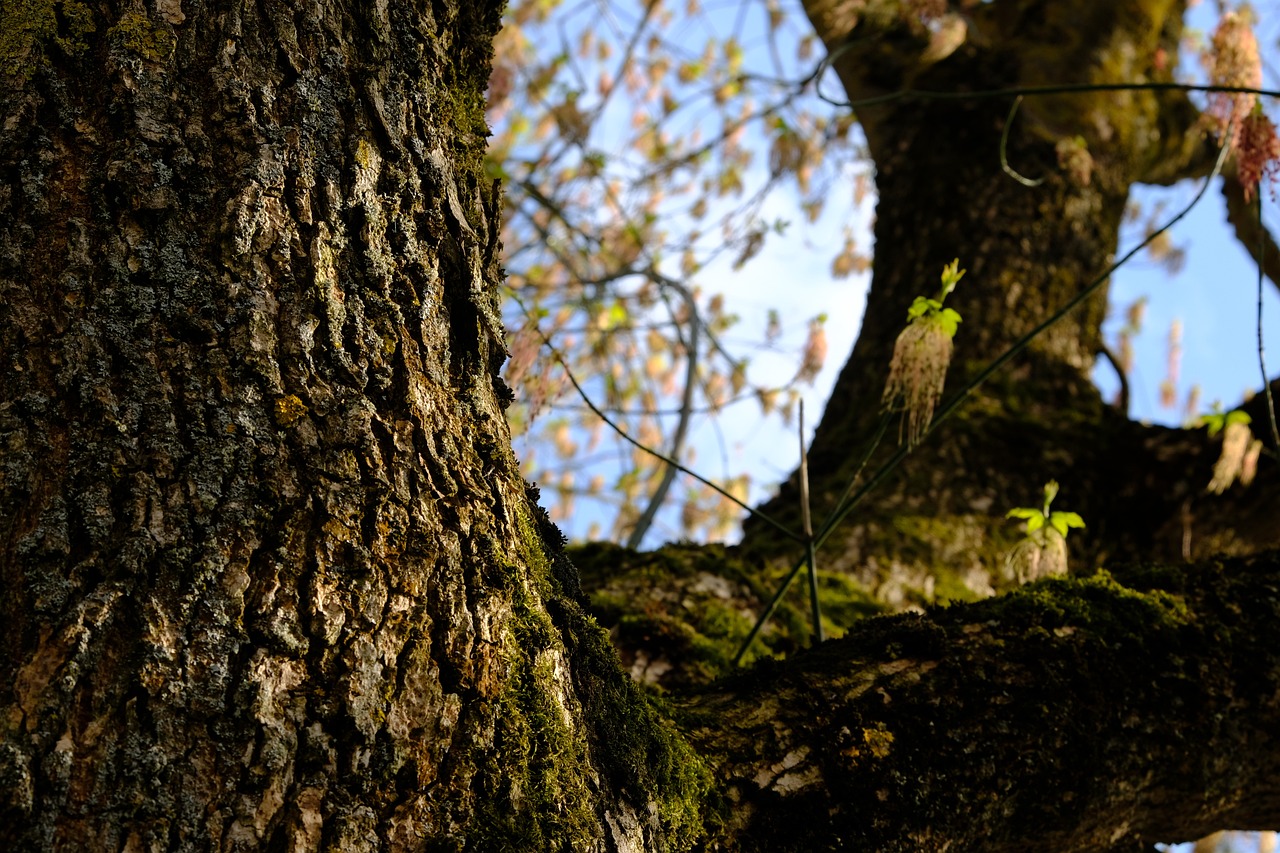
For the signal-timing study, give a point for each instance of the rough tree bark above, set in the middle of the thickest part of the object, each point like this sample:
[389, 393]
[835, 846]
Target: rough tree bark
[272, 580]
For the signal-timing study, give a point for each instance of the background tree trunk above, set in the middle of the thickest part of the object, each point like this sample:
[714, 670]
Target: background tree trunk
[272, 579]
[937, 529]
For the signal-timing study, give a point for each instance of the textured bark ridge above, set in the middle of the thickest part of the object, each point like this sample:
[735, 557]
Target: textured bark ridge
[272, 579]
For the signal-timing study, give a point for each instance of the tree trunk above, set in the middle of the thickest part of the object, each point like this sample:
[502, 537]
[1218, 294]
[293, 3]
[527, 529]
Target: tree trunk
[937, 529]
[272, 579]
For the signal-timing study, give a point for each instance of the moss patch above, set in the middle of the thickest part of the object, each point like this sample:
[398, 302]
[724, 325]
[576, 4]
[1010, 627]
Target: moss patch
[1098, 603]
[289, 410]
[693, 606]
[138, 34]
[555, 760]
[26, 26]
[544, 802]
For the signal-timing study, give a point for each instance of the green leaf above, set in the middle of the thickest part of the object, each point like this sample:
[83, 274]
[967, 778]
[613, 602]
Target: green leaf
[1238, 417]
[1033, 517]
[1062, 521]
[949, 321]
[1216, 420]
[921, 306]
[1214, 423]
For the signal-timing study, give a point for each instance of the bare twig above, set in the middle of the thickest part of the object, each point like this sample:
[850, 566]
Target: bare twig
[1114, 360]
[804, 561]
[1004, 149]
[1250, 231]
[682, 425]
[811, 551]
[573, 380]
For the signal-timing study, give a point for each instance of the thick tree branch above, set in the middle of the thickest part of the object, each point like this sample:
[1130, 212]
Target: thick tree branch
[1072, 715]
[1252, 234]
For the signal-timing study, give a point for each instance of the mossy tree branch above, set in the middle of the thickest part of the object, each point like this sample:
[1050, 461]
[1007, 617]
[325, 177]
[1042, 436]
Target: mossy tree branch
[1071, 715]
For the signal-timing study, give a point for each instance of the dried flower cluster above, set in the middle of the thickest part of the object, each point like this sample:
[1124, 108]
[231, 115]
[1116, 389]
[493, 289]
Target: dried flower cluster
[1239, 457]
[1257, 152]
[921, 356]
[1237, 117]
[1233, 60]
[814, 354]
[917, 374]
[1041, 554]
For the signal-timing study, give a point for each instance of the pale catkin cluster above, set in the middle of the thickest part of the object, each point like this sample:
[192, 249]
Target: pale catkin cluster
[1040, 555]
[1239, 457]
[1233, 60]
[917, 374]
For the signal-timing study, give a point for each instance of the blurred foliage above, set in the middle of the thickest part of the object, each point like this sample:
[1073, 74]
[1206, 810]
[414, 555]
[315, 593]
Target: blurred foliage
[646, 149]
[642, 147]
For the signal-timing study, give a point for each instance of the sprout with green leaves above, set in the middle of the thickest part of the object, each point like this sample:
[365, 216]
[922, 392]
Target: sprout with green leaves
[921, 356]
[1043, 551]
[1240, 450]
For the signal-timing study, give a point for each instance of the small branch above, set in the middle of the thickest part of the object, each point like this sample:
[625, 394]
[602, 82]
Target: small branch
[811, 553]
[1105, 351]
[804, 561]
[1004, 149]
[682, 425]
[573, 380]
[1250, 231]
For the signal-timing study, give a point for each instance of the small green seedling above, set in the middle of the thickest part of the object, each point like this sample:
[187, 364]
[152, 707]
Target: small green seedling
[1240, 450]
[1036, 518]
[1043, 551]
[1218, 420]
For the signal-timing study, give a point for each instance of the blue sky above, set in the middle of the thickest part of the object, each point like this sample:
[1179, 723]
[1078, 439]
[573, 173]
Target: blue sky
[1214, 298]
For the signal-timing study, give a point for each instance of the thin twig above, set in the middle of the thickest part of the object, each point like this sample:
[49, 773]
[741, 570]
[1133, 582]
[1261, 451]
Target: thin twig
[573, 380]
[682, 425]
[810, 551]
[1123, 402]
[1004, 149]
[804, 561]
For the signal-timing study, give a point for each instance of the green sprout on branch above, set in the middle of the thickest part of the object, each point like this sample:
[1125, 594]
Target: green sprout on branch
[921, 356]
[932, 310]
[1043, 550]
[1240, 450]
